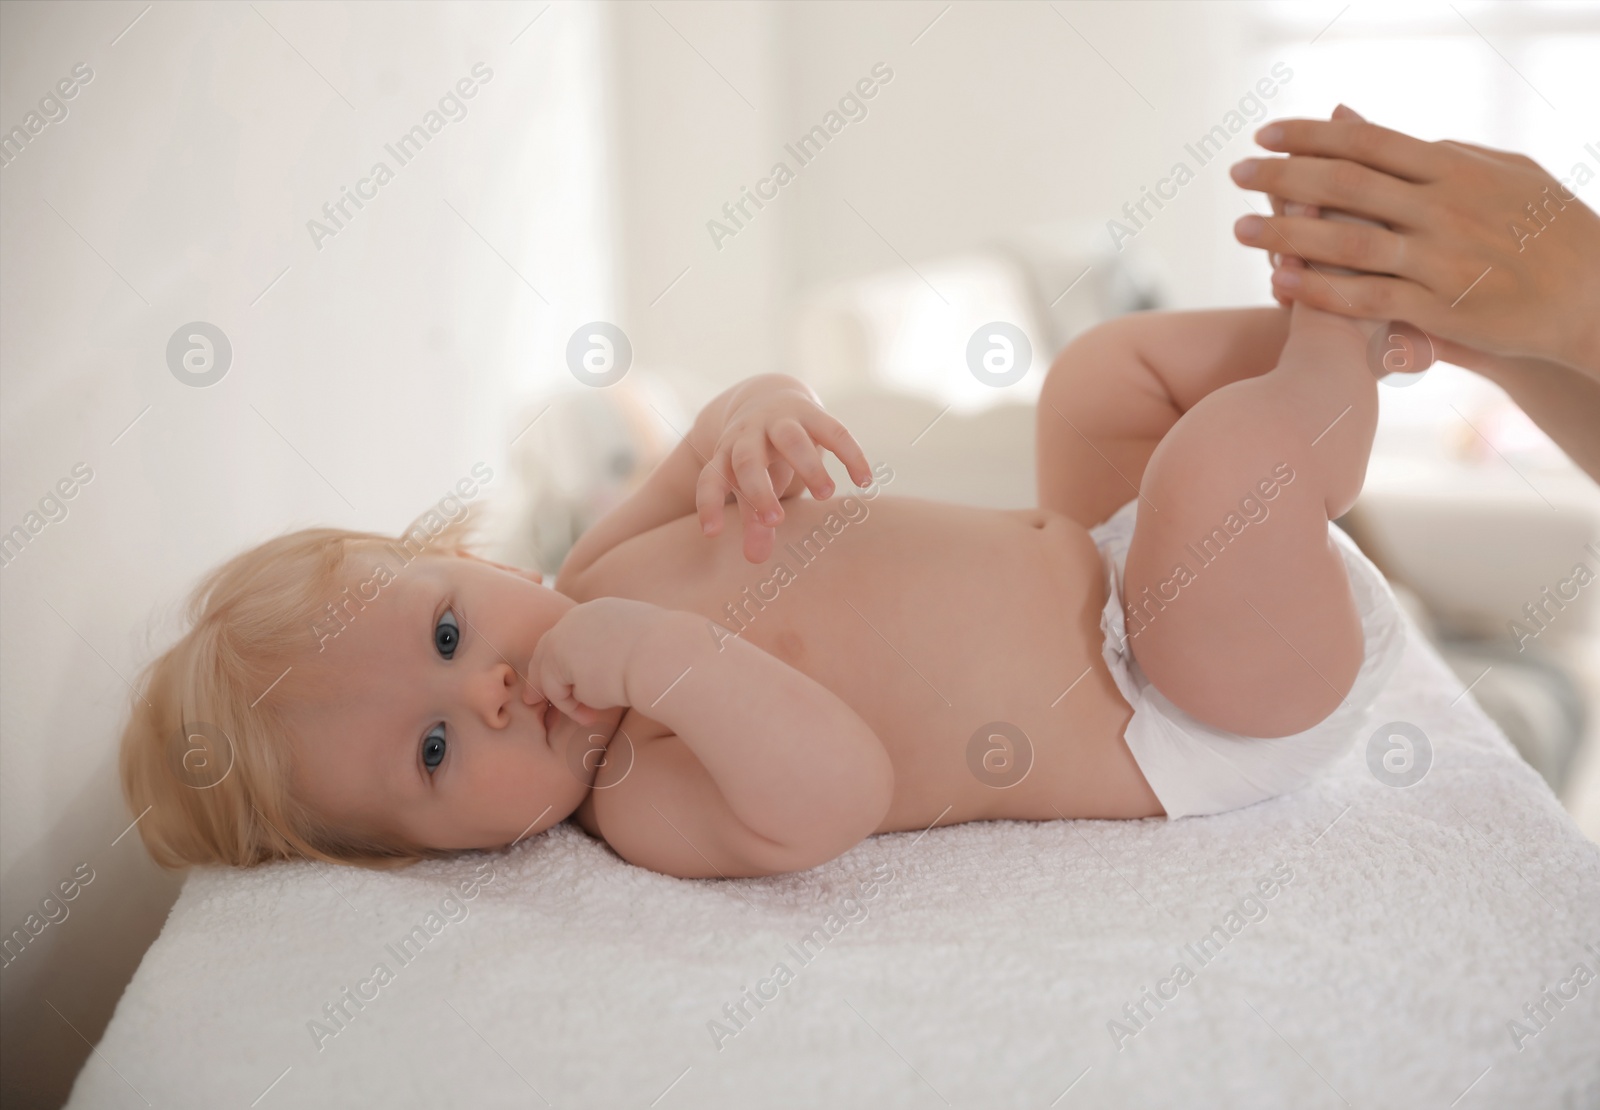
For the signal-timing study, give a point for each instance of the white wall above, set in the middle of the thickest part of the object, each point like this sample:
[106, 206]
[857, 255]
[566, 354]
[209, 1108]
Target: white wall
[1008, 118]
[999, 118]
[370, 377]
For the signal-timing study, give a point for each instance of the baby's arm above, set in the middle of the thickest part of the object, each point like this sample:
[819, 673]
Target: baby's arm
[756, 442]
[1117, 389]
[740, 764]
[666, 495]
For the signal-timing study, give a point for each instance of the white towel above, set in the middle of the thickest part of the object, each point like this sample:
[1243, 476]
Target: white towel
[990, 965]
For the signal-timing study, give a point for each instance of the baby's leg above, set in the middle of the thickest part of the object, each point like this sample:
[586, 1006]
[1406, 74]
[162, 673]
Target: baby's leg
[1238, 606]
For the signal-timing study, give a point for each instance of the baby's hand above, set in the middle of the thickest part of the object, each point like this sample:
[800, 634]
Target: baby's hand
[581, 664]
[772, 433]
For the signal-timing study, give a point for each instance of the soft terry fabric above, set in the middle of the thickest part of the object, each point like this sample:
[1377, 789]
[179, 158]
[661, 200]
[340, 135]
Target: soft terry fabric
[987, 964]
[1196, 769]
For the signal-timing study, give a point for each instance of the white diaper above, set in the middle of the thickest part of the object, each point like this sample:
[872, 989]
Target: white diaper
[1196, 769]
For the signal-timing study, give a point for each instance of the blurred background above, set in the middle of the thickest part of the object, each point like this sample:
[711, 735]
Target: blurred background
[366, 338]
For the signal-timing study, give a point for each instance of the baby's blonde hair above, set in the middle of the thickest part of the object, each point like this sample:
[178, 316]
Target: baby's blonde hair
[206, 751]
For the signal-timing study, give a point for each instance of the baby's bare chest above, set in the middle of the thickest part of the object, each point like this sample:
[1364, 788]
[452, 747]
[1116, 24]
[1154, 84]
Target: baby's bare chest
[934, 622]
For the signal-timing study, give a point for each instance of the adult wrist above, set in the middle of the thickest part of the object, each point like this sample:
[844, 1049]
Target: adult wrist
[1583, 352]
[1526, 377]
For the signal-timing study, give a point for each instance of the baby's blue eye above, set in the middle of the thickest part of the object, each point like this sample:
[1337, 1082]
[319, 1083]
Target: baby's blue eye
[447, 634]
[433, 748]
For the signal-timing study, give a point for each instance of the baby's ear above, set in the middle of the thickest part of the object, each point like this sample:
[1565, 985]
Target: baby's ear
[528, 573]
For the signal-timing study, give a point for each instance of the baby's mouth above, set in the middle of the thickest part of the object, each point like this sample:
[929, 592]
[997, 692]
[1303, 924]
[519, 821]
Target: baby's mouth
[551, 715]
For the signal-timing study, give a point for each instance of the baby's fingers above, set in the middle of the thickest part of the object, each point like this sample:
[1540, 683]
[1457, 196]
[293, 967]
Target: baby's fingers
[565, 699]
[758, 537]
[711, 495]
[797, 449]
[547, 678]
[540, 687]
[749, 458]
[833, 435]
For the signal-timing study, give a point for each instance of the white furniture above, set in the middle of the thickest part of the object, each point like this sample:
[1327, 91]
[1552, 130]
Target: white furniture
[984, 970]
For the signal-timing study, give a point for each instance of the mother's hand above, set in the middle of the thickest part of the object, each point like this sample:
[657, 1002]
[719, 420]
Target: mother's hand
[1484, 248]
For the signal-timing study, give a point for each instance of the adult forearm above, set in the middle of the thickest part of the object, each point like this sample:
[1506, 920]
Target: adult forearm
[794, 762]
[1583, 355]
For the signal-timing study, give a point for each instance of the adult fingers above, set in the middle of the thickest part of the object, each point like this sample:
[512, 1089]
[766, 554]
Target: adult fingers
[1334, 183]
[1359, 295]
[1355, 140]
[1333, 242]
[801, 453]
[1280, 208]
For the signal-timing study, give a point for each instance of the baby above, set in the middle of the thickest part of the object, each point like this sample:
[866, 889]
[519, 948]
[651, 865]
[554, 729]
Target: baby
[1177, 629]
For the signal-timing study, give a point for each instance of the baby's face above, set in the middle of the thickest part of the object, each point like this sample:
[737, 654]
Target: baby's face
[418, 725]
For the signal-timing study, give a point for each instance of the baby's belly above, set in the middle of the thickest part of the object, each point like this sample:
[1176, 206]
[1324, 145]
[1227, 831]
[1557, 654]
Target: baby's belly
[968, 638]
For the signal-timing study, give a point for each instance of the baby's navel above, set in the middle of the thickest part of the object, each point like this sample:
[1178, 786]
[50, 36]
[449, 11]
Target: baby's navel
[789, 646]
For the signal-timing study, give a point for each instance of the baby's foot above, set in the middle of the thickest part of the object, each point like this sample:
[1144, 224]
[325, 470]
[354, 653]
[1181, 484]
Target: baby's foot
[1295, 208]
[1395, 346]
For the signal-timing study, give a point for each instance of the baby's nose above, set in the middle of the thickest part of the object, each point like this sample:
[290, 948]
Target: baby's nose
[510, 676]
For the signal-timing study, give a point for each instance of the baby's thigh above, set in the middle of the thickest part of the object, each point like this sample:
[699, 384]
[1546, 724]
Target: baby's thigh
[1237, 603]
